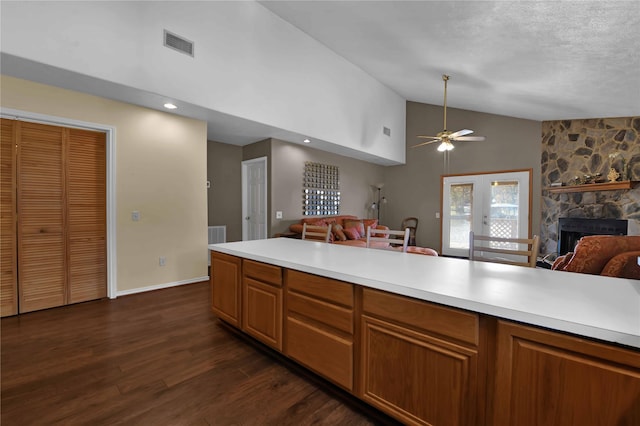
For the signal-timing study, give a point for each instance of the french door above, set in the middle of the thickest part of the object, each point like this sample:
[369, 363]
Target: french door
[495, 204]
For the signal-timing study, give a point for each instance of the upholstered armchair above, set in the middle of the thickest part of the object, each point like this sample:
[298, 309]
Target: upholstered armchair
[608, 255]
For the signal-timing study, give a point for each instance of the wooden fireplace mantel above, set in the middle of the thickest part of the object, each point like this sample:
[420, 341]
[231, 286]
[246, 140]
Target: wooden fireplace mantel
[607, 186]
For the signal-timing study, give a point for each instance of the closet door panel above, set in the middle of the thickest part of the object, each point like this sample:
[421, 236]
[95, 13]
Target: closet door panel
[8, 265]
[41, 216]
[86, 188]
[42, 271]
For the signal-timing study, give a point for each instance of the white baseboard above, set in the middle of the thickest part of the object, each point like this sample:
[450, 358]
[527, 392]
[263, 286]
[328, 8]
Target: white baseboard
[161, 286]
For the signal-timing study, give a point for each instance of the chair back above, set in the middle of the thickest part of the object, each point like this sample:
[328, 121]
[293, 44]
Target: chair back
[412, 224]
[512, 248]
[386, 236]
[316, 233]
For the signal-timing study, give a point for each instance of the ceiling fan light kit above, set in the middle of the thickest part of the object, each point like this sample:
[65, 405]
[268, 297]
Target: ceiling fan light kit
[446, 137]
[445, 146]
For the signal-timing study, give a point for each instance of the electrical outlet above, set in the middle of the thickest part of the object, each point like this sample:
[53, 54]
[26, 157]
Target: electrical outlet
[162, 261]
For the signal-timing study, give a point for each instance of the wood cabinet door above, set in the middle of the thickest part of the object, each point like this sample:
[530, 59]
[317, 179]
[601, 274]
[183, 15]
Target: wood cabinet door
[417, 378]
[87, 215]
[225, 287]
[42, 248]
[547, 378]
[262, 312]
[8, 262]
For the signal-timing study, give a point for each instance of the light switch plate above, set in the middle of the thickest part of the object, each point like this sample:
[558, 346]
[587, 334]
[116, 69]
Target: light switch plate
[135, 216]
[278, 215]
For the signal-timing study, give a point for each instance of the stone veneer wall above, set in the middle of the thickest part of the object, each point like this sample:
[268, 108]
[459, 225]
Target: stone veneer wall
[577, 147]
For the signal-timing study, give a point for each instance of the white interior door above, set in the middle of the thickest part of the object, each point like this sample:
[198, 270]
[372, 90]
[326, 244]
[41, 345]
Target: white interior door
[494, 204]
[254, 199]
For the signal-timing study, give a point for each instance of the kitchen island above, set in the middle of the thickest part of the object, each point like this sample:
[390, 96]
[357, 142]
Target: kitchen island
[434, 340]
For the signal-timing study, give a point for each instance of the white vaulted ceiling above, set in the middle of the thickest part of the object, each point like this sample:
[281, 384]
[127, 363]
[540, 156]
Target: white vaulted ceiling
[540, 60]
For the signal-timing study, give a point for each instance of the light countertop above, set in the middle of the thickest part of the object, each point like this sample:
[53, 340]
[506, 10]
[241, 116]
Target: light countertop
[599, 307]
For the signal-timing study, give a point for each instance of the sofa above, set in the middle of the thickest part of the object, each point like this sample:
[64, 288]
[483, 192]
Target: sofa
[345, 229]
[606, 255]
[352, 231]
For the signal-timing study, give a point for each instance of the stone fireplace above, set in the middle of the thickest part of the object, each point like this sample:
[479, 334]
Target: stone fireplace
[574, 148]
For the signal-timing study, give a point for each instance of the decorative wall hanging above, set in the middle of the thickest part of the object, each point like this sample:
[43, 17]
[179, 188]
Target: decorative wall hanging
[320, 190]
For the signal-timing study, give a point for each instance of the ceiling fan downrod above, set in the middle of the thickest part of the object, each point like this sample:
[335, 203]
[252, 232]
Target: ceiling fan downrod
[445, 78]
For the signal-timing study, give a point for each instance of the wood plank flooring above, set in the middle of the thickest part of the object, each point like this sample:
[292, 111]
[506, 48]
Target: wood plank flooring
[156, 358]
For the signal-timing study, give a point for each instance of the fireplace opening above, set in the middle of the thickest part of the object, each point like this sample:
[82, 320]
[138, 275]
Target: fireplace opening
[570, 230]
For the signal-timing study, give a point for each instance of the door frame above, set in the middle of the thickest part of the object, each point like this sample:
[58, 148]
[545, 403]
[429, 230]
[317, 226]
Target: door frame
[245, 194]
[110, 132]
[442, 177]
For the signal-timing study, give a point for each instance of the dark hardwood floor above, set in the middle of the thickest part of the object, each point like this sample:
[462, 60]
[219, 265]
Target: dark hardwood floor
[156, 358]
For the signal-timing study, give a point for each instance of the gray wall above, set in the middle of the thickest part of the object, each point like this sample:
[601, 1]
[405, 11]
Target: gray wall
[413, 189]
[285, 166]
[287, 160]
[224, 197]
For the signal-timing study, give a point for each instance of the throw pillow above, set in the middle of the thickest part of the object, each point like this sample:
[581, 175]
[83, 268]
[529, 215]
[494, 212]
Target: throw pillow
[338, 232]
[369, 222]
[351, 233]
[358, 225]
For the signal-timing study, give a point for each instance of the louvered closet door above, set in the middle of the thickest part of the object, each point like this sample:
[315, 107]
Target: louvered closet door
[41, 216]
[8, 266]
[86, 189]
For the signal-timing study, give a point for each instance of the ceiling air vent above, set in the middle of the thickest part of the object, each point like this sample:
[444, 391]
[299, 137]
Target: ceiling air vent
[178, 43]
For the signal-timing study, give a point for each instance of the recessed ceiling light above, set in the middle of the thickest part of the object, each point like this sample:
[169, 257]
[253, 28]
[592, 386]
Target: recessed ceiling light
[306, 141]
[170, 106]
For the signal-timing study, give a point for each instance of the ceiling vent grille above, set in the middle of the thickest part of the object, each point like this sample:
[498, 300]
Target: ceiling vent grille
[178, 43]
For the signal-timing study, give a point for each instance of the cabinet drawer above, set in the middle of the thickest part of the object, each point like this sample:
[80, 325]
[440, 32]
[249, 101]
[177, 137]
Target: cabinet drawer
[323, 288]
[263, 272]
[441, 320]
[332, 315]
[328, 355]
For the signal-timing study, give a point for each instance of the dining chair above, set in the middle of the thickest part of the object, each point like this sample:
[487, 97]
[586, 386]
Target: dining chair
[412, 224]
[316, 233]
[510, 251]
[386, 237]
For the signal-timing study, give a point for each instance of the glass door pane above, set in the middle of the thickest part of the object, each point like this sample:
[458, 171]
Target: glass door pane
[461, 215]
[503, 218]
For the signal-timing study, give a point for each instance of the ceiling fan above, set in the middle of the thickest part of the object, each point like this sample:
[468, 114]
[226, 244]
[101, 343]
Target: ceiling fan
[446, 137]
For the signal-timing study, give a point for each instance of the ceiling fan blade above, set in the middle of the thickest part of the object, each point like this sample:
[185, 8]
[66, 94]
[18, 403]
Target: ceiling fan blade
[460, 133]
[425, 143]
[428, 137]
[470, 138]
